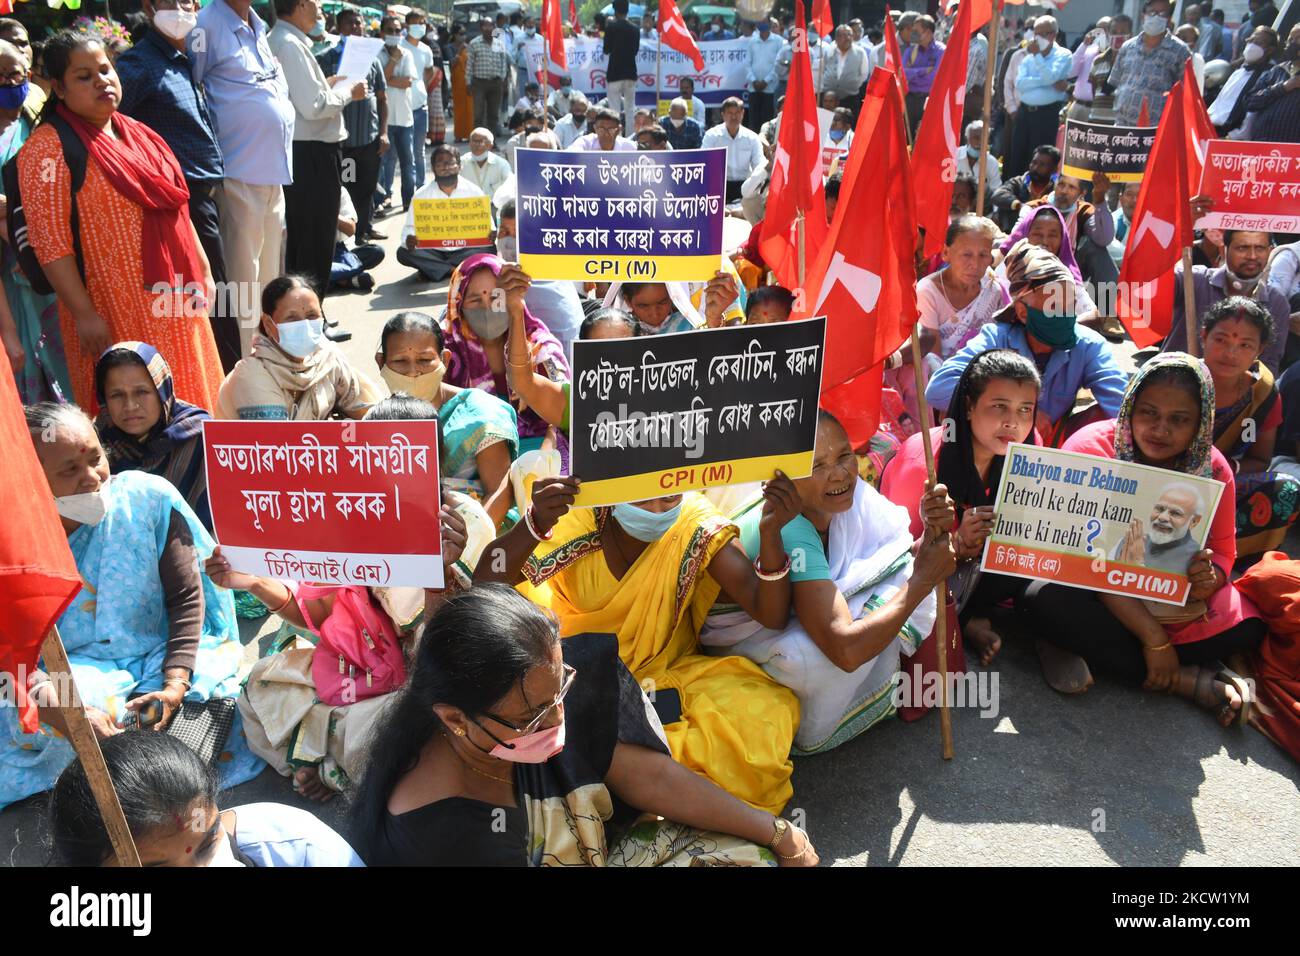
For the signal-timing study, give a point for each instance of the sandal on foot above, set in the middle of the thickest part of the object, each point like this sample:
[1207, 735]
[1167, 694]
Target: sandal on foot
[1245, 690]
[1064, 671]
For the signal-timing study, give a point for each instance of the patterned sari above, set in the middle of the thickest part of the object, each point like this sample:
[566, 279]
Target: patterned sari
[471, 421]
[1267, 501]
[115, 632]
[737, 724]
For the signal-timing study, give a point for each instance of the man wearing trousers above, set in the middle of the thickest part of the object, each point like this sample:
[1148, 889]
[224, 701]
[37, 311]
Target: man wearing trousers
[311, 200]
[621, 43]
[249, 101]
[366, 124]
[487, 69]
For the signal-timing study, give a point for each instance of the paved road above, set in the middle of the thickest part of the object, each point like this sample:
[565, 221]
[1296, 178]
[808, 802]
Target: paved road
[1114, 776]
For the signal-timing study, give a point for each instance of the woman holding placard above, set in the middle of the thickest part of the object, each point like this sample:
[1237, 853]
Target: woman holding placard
[862, 599]
[1166, 421]
[1246, 419]
[993, 406]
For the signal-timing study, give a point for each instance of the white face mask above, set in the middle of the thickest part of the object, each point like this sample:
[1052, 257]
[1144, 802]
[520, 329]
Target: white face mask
[1029, 36]
[87, 508]
[1044, 43]
[1253, 53]
[300, 339]
[1153, 25]
[176, 24]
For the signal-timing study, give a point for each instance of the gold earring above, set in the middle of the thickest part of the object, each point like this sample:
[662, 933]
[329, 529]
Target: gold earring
[460, 731]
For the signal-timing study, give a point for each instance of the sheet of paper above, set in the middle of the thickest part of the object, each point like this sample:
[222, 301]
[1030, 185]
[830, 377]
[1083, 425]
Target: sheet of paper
[358, 55]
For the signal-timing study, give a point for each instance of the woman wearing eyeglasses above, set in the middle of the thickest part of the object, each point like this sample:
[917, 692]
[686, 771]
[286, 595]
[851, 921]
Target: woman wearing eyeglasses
[508, 747]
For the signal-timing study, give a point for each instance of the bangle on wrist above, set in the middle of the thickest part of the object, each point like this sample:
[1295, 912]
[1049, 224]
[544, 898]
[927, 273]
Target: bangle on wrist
[288, 598]
[532, 527]
[772, 575]
[178, 680]
[1159, 647]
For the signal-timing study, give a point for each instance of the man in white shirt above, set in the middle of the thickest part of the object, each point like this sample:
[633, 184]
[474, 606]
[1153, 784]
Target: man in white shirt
[744, 147]
[482, 167]
[763, 47]
[574, 123]
[559, 101]
[606, 125]
[968, 160]
[422, 58]
[694, 105]
[435, 265]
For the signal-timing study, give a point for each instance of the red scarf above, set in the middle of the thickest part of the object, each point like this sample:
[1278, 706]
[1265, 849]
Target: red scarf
[142, 167]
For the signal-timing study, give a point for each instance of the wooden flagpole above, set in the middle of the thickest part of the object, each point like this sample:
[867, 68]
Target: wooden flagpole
[990, 76]
[940, 589]
[86, 745]
[1190, 318]
[546, 60]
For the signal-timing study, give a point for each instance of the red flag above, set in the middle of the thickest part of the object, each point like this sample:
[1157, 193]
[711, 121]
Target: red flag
[673, 33]
[893, 58]
[573, 17]
[821, 16]
[38, 576]
[1162, 223]
[1144, 114]
[934, 157]
[981, 12]
[796, 185]
[553, 30]
[867, 289]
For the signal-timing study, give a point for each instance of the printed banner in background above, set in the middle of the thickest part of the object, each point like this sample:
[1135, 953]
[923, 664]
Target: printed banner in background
[1099, 524]
[448, 223]
[327, 502]
[726, 65]
[1118, 151]
[1254, 186]
[654, 416]
[639, 216]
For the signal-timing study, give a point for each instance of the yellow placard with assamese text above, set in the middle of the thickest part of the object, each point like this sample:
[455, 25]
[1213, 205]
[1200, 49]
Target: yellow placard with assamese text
[449, 223]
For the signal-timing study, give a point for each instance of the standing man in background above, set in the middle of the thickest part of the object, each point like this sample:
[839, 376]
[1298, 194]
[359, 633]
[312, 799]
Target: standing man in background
[487, 69]
[764, 49]
[249, 100]
[621, 43]
[365, 122]
[1042, 83]
[422, 57]
[921, 58]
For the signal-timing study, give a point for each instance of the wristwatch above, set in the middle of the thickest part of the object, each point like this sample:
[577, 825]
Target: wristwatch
[781, 827]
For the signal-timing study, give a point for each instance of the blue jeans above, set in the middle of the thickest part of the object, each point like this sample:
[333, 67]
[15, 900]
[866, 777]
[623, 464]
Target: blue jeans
[419, 137]
[399, 149]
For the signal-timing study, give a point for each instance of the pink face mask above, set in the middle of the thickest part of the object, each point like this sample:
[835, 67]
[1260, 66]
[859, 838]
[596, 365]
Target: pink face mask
[537, 747]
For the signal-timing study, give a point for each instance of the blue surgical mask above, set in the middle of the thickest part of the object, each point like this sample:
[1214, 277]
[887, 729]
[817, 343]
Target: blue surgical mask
[1058, 331]
[973, 152]
[13, 97]
[318, 30]
[646, 525]
[300, 339]
[415, 31]
[837, 134]
[1067, 211]
[566, 90]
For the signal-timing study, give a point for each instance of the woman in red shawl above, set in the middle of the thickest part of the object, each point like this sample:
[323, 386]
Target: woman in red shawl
[142, 275]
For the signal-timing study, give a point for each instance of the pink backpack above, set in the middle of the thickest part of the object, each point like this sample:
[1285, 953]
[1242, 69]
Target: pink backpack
[358, 655]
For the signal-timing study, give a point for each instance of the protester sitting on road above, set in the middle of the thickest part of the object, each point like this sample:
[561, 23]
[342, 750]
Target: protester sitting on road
[481, 336]
[767, 304]
[294, 372]
[148, 628]
[556, 302]
[606, 125]
[956, 302]
[352, 260]
[649, 571]
[144, 427]
[1166, 421]
[860, 598]
[1047, 228]
[509, 746]
[319, 733]
[169, 799]
[1247, 414]
[993, 405]
[1041, 325]
[480, 432]
[435, 265]
[662, 307]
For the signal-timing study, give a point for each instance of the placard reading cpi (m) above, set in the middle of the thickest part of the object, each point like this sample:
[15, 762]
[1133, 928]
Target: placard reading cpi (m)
[654, 416]
[621, 216]
[1099, 524]
[327, 502]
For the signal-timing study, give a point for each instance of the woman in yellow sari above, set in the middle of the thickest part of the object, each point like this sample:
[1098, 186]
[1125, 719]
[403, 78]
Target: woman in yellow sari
[649, 572]
[462, 104]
